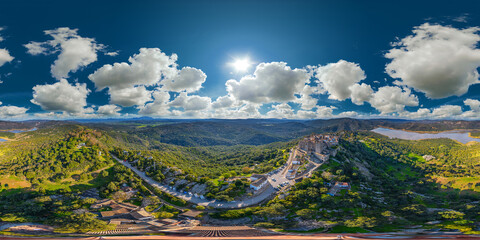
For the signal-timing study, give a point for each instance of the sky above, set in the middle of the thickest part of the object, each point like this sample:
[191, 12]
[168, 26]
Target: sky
[239, 59]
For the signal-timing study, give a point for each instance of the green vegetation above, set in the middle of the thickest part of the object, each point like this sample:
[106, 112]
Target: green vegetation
[392, 187]
[43, 174]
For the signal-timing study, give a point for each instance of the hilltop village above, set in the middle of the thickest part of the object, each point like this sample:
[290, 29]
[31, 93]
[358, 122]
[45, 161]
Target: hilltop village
[310, 153]
[189, 200]
[352, 181]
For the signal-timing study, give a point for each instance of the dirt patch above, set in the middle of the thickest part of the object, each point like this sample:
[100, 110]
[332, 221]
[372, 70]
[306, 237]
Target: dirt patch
[14, 182]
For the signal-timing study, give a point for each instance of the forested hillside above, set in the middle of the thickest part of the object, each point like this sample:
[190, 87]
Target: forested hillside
[392, 187]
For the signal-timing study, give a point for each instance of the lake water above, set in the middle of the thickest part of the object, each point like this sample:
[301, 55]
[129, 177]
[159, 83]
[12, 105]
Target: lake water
[20, 131]
[461, 136]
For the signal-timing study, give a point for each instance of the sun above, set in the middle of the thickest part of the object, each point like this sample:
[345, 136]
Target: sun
[241, 64]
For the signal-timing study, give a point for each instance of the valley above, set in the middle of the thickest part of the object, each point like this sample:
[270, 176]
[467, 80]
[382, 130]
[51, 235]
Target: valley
[324, 176]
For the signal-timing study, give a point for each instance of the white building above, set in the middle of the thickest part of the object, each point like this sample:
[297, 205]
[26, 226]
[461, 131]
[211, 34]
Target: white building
[259, 183]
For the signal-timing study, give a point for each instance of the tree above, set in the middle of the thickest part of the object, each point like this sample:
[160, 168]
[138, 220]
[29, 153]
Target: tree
[112, 187]
[84, 222]
[120, 196]
[274, 210]
[362, 222]
[306, 213]
[452, 214]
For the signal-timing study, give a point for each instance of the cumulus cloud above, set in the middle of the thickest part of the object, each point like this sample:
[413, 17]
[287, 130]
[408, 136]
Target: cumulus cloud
[112, 54]
[75, 51]
[190, 102]
[109, 110]
[447, 111]
[306, 100]
[61, 97]
[223, 102]
[188, 79]
[147, 68]
[127, 97]
[320, 112]
[271, 82]
[4, 54]
[127, 82]
[282, 110]
[439, 61]
[5, 57]
[390, 99]
[474, 104]
[360, 93]
[159, 107]
[12, 111]
[339, 78]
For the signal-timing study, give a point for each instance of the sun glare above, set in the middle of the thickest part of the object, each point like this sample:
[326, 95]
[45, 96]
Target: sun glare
[241, 64]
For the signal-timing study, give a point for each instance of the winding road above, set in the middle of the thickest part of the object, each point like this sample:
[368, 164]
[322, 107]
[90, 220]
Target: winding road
[210, 203]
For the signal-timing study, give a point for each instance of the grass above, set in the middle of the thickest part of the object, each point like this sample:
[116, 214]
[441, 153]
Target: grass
[461, 183]
[416, 158]
[74, 185]
[13, 182]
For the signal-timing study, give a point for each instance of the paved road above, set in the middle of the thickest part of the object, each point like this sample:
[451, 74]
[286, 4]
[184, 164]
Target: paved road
[204, 202]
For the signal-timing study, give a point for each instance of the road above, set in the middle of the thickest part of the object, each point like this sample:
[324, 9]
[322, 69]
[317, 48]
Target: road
[211, 203]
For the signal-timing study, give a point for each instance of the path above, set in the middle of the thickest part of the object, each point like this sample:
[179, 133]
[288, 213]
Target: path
[204, 202]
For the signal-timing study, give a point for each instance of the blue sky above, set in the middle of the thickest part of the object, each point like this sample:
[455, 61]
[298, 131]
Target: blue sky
[304, 59]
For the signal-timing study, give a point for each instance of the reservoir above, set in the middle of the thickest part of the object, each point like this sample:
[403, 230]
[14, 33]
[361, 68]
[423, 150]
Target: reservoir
[458, 135]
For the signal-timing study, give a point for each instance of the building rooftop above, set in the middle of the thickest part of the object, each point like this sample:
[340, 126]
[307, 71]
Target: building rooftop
[259, 181]
[139, 214]
[191, 214]
[116, 212]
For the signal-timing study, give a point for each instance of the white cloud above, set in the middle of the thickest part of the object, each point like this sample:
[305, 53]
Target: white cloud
[112, 54]
[306, 100]
[5, 57]
[191, 102]
[338, 78]
[109, 110]
[446, 111]
[282, 110]
[12, 111]
[127, 97]
[361, 93]
[147, 68]
[243, 111]
[61, 97]
[4, 54]
[127, 82]
[441, 112]
[36, 48]
[439, 61]
[159, 107]
[188, 79]
[421, 113]
[392, 99]
[75, 51]
[474, 104]
[223, 102]
[320, 112]
[463, 18]
[271, 82]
